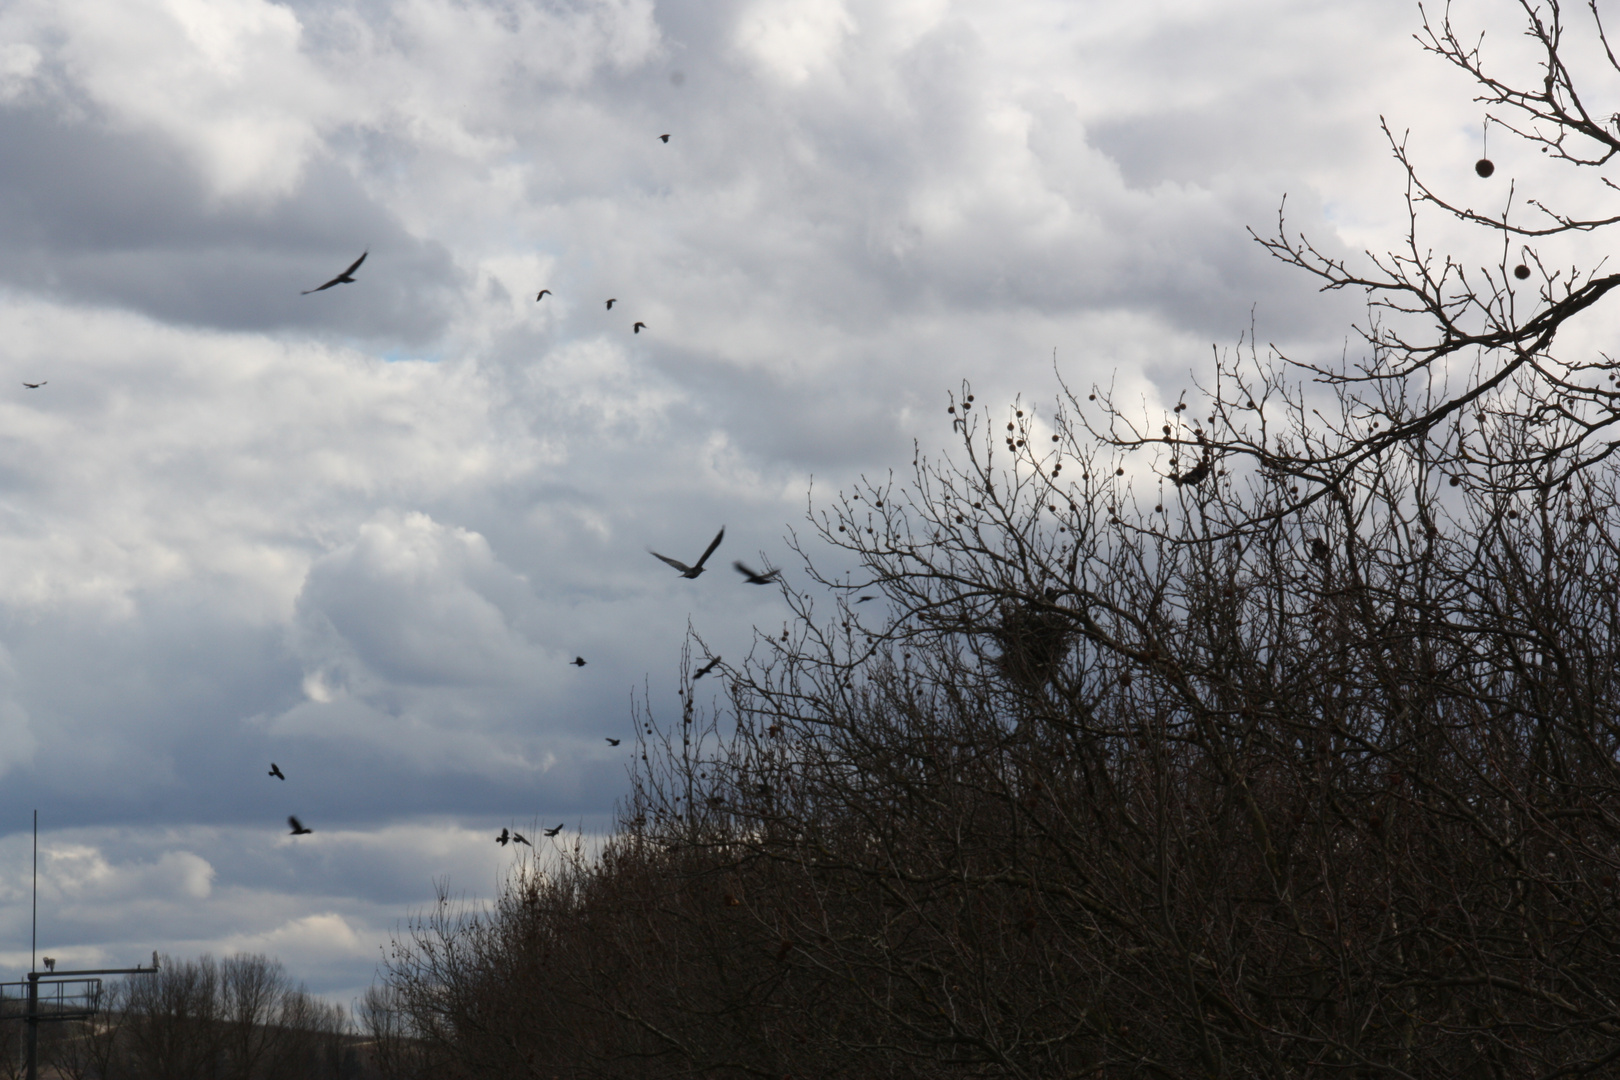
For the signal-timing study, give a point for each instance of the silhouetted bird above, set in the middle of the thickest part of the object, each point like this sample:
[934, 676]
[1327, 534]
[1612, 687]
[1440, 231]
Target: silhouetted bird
[639, 327]
[275, 771]
[613, 742]
[543, 294]
[50, 962]
[36, 385]
[706, 668]
[298, 827]
[694, 570]
[753, 578]
[503, 838]
[663, 138]
[864, 599]
[1193, 476]
[578, 661]
[518, 838]
[345, 278]
[1319, 549]
[611, 302]
[554, 832]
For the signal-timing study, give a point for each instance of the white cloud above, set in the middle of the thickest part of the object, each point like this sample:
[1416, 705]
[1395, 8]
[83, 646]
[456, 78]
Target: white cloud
[793, 39]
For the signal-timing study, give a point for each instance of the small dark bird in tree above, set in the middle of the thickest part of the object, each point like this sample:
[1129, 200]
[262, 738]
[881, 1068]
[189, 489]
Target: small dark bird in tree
[275, 771]
[298, 827]
[663, 138]
[519, 838]
[1194, 475]
[753, 578]
[613, 742]
[1484, 166]
[696, 569]
[36, 385]
[345, 278]
[554, 832]
[543, 294]
[1319, 549]
[706, 668]
[578, 661]
[639, 327]
[503, 838]
[611, 302]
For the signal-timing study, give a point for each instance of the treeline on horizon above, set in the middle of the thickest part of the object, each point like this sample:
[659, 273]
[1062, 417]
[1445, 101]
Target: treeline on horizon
[240, 1018]
[1270, 735]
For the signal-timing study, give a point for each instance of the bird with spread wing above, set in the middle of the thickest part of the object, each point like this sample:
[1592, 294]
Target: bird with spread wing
[696, 569]
[345, 278]
[755, 578]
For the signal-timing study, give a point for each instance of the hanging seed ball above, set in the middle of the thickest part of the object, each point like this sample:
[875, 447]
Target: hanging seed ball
[1119, 472]
[1521, 271]
[1484, 166]
[1091, 397]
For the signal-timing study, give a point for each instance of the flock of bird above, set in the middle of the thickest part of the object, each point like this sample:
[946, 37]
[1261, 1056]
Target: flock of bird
[750, 576]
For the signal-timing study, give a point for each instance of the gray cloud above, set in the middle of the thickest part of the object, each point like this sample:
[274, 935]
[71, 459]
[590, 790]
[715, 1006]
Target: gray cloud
[361, 533]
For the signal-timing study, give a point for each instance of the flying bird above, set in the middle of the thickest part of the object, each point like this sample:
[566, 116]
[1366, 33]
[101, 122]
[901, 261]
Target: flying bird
[518, 838]
[345, 278]
[503, 838]
[614, 742]
[578, 661]
[297, 826]
[692, 571]
[663, 138]
[554, 832]
[753, 578]
[36, 385]
[611, 302]
[706, 668]
[275, 771]
[543, 294]
[638, 328]
[864, 599]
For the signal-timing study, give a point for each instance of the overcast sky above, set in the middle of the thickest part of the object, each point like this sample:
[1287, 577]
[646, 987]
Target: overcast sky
[362, 532]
